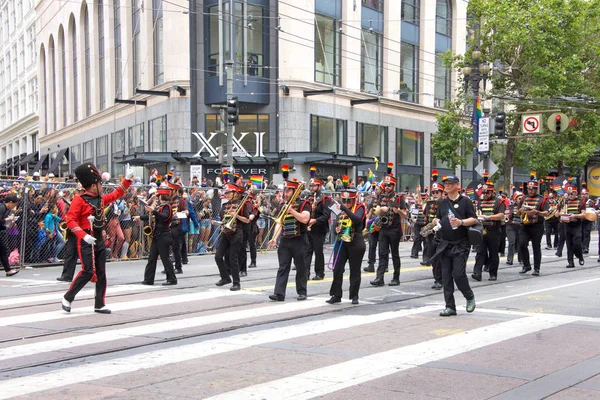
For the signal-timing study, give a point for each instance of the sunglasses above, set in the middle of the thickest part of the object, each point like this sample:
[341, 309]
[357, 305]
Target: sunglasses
[486, 192]
[436, 191]
[347, 200]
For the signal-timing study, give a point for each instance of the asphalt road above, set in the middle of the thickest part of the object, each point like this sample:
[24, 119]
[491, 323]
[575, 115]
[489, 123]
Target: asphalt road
[528, 338]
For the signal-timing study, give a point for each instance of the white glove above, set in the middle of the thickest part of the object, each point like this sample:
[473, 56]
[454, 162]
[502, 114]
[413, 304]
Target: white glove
[89, 239]
[130, 174]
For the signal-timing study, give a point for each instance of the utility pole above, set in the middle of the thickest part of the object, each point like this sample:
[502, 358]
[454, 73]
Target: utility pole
[230, 126]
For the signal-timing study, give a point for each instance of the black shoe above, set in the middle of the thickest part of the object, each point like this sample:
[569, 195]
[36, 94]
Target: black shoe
[598, 260]
[66, 305]
[371, 268]
[570, 265]
[163, 272]
[178, 271]
[223, 282]
[235, 287]
[147, 283]
[377, 282]
[301, 297]
[184, 262]
[501, 254]
[318, 278]
[586, 252]
[355, 300]
[536, 272]
[413, 256]
[471, 305]
[102, 310]
[509, 263]
[448, 312]
[252, 265]
[61, 279]
[169, 283]
[294, 268]
[581, 261]
[525, 269]
[13, 271]
[486, 268]
[477, 277]
[548, 248]
[492, 278]
[394, 282]
[243, 273]
[437, 285]
[425, 263]
[276, 297]
[333, 300]
[558, 254]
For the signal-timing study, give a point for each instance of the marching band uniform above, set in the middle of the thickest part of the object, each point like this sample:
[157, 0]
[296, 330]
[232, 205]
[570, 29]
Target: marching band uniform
[227, 254]
[243, 255]
[351, 247]
[492, 213]
[390, 233]
[90, 243]
[318, 228]
[373, 231]
[255, 211]
[586, 226]
[162, 240]
[418, 243]
[291, 246]
[512, 229]
[552, 223]
[433, 239]
[572, 221]
[533, 230]
[177, 205]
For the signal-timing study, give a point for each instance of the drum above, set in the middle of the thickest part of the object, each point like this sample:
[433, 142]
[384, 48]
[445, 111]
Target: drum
[590, 214]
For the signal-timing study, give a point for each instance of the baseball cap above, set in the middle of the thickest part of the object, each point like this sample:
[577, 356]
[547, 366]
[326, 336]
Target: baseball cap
[36, 174]
[50, 175]
[451, 179]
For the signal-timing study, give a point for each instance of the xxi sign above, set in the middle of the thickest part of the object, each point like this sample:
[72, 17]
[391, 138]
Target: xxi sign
[238, 148]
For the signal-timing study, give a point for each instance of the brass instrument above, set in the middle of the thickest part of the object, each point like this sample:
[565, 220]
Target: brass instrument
[63, 229]
[148, 229]
[524, 217]
[345, 225]
[554, 210]
[278, 220]
[232, 223]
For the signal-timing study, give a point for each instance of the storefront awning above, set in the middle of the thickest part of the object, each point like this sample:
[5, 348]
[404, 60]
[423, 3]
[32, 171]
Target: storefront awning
[40, 162]
[59, 156]
[9, 163]
[3, 167]
[139, 159]
[341, 160]
[29, 158]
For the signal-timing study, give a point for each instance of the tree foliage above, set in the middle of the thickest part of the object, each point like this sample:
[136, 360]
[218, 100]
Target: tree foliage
[452, 135]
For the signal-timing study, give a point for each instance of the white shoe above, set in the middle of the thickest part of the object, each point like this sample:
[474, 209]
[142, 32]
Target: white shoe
[66, 305]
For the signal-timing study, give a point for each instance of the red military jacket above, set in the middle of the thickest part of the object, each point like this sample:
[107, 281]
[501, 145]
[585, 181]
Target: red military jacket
[80, 210]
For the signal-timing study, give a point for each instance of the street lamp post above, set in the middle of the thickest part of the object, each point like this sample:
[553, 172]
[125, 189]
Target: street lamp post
[474, 74]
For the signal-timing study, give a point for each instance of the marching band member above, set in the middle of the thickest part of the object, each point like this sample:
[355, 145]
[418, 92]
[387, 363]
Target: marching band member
[492, 213]
[389, 208]
[513, 227]
[572, 217]
[245, 226]
[586, 226]
[227, 254]
[419, 245]
[253, 217]
[535, 208]
[351, 247]
[159, 216]
[433, 239]
[292, 245]
[552, 222]
[318, 226]
[178, 205]
[86, 220]
[373, 231]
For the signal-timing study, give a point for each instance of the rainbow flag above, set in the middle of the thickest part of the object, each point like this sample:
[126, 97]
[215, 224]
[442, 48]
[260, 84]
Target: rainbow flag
[370, 176]
[257, 181]
[478, 110]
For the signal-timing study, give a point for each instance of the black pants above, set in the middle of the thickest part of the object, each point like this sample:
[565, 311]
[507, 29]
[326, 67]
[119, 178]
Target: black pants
[586, 230]
[562, 233]
[487, 252]
[4, 255]
[573, 238]
[184, 247]
[243, 255]
[502, 245]
[90, 258]
[177, 243]
[373, 240]
[160, 246]
[432, 246]
[551, 229]
[252, 243]
[418, 242]
[291, 249]
[454, 271]
[314, 243]
[227, 256]
[352, 252]
[512, 233]
[389, 239]
[70, 261]
[533, 233]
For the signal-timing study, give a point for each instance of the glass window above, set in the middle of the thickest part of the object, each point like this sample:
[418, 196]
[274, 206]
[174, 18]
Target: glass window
[254, 123]
[213, 44]
[158, 134]
[74, 47]
[328, 135]
[439, 164]
[157, 26]
[75, 154]
[372, 141]
[118, 141]
[86, 38]
[255, 51]
[409, 72]
[136, 138]
[135, 40]
[88, 150]
[328, 51]
[118, 67]
[410, 11]
[61, 36]
[101, 53]
[409, 147]
[375, 4]
[410, 181]
[442, 81]
[102, 146]
[53, 77]
[443, 17]
[371, 65]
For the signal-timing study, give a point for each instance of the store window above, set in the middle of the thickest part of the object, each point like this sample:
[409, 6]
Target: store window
[409, 147]
[328, 135]
[372, 141]
[328, 50]
[157, 132]
[136, 138]
[371, 62]
[88, 151]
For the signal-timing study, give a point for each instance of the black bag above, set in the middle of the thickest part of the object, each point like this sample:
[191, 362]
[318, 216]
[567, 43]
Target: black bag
[475, 234]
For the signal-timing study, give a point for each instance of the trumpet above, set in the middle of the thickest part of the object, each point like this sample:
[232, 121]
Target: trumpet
[281, 216]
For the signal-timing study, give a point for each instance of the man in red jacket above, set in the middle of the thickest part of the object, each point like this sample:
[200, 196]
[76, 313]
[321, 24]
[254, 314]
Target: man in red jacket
[86, 220]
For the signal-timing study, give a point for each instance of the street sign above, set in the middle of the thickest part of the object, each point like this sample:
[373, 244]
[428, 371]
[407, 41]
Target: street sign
[484, 135]
[564, 122]
[531, 123]
[196, 170]
[492, 168]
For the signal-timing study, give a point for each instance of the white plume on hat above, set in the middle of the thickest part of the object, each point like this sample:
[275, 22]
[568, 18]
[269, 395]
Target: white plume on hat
[105, 176]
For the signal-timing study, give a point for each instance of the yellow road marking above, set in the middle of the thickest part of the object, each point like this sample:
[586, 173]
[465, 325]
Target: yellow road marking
[447, 332]
[540, 297]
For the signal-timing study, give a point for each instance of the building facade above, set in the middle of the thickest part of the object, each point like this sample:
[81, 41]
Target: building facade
[114, 83]
[18, 87]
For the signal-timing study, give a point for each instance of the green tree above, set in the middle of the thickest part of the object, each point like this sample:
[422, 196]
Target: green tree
[450, 143]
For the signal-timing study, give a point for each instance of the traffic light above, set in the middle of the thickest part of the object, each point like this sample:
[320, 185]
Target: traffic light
[232, 110]
[500, 125]
[558, 124]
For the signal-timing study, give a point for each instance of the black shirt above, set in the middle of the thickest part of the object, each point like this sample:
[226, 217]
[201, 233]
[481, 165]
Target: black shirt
[462, 209]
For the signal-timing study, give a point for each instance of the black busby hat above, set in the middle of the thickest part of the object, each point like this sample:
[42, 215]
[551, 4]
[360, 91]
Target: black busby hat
[88, 174]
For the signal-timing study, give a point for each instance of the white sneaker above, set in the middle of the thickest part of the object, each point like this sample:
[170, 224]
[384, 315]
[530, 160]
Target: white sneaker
[66, 305]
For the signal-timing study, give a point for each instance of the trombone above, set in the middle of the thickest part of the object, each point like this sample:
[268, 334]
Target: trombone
[232, 223]
[278, 220]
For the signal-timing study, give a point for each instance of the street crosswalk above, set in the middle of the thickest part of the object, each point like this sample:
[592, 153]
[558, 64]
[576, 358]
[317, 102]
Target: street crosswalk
[246, 326]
